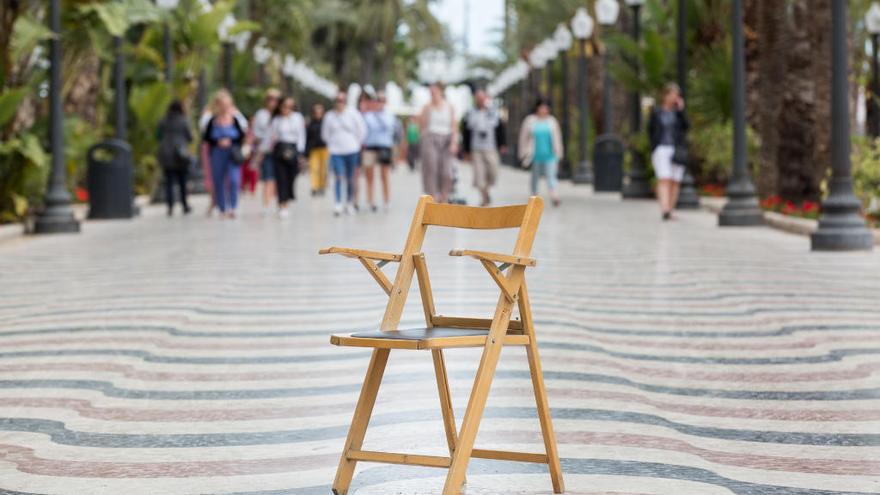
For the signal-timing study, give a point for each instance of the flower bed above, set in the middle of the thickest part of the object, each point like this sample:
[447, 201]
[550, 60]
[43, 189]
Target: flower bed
[807, 209]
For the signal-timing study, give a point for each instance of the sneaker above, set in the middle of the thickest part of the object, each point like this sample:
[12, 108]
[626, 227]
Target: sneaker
[283, 213]
[337, 209]
[186, 210]
[350, 209]
[667, 216]
[374, 208]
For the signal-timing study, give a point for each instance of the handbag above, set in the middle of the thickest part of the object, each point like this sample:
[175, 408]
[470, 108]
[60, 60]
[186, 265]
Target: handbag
[237, 154]
[680, 155]
[285, 152]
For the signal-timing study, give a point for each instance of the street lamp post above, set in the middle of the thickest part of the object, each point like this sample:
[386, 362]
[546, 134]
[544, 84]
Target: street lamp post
[841, 228]
[608, 147]
[562, 37]
[872, 24]
[262, 54]
[167, 5]
[120, 109]
[637, 185]
[742, 208]
[687, 199]
[57, 216]
[582, 28]
[607, 12]
[227, 44]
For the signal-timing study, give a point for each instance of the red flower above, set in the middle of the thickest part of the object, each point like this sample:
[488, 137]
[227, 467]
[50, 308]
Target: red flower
[82, 195]
[810, 206]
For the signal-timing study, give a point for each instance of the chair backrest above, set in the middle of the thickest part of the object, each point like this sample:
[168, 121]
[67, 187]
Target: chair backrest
[524, 217]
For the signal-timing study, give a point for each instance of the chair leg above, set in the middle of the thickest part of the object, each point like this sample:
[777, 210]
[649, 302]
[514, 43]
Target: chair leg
[473, 415]
[445, 400]
[545, 417]
[361, 419]
[543, 406]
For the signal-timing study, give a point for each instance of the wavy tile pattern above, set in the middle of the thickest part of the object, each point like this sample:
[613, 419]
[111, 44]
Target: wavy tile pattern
[191, 355]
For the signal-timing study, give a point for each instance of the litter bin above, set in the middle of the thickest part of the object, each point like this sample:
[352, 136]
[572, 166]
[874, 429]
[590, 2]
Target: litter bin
[109, 180]
[608, 160]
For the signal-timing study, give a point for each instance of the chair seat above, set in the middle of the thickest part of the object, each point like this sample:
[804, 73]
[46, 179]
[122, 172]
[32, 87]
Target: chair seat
[423, 338]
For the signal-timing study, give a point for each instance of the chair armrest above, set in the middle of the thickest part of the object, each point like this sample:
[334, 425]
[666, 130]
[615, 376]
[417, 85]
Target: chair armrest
[361, 253]
[494, 257]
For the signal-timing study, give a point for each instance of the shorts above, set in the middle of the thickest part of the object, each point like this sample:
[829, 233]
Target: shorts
[664, 169]
[486, 164]
[267, 170]
[371, 157]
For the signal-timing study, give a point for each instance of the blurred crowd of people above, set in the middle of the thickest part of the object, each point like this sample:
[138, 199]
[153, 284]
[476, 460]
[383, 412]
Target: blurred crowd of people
[358, 144]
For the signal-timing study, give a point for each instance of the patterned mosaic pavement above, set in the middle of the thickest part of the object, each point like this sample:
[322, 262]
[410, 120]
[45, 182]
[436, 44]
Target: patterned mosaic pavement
[191, 356]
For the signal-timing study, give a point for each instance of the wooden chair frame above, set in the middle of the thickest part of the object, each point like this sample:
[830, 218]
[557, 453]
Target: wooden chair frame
[502, 330]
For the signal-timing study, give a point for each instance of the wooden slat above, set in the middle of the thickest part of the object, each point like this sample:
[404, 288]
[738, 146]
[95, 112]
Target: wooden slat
[494, 257]
[471, 217]
[377, 274]
[466, 322]
[499, 279]
[435, 343]
[349, 341]
[503, 455]
[425, 288]
[361, 253]
[394, 458]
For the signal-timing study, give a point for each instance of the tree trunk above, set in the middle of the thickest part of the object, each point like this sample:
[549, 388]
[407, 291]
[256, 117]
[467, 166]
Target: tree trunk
[819, 25]
[772, 46]
[797, 124]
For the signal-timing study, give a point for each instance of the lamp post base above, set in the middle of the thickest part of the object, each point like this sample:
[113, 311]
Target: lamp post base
[56, 220]
[841, 227]
[637, 187]
[584, 173]
[688, 198]
[842, 239]
[742, 208]
[741, 212]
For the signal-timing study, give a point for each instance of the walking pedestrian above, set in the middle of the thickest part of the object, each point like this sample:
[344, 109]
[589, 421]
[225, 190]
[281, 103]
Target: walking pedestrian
[382, 126]
[482, 137]
[316, 150]
[344, 131]
[224, 135]
[174, 155]
[439, 144]
[540, 145]
[412, 142]
[667, 129]
[262, 132]
[288, 143]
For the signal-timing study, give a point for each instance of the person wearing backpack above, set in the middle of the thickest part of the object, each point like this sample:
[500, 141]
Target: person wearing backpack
[174, 156]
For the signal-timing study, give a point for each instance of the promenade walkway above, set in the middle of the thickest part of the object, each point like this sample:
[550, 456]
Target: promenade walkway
[191, 355]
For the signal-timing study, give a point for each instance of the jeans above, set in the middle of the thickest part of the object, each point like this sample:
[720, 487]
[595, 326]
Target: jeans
[176, 177]
[344, 166]
[545, 169]
[226, 175]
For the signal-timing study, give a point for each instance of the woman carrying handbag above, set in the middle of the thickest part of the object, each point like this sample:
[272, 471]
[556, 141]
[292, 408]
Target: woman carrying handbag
[667, 130]
[289, 142]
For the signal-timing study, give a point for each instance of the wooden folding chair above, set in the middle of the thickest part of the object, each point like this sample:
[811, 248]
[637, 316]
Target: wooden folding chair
[442, 332]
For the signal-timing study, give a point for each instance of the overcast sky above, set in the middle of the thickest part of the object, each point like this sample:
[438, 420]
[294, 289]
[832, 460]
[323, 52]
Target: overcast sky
[485, 22]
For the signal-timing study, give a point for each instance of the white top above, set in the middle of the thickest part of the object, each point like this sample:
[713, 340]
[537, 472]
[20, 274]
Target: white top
[440, 120]
[343, 132]
[262, 129]
[290, 129]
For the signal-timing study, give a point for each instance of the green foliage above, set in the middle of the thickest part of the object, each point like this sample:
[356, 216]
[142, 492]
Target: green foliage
[23, 166]
[148, 103]
[712, 146]
[866, 173]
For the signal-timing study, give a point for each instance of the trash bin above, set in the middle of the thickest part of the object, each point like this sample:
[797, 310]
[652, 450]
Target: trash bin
[109, 180]
[608, 161]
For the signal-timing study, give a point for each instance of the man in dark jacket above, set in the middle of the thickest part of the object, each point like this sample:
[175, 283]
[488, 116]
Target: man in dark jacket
[483, 137]
[174, 156]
